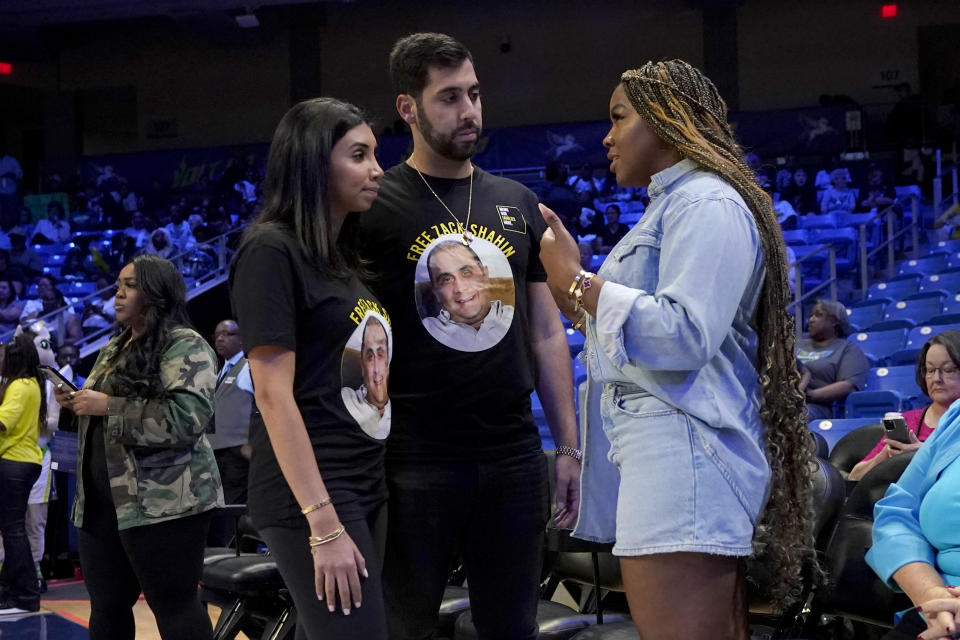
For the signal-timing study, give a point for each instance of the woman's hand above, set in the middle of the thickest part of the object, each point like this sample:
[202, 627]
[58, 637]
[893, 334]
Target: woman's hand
[941, 615]
[896, 447]
[63, 395]
[560, 256]
[88, 402]
[338, 567]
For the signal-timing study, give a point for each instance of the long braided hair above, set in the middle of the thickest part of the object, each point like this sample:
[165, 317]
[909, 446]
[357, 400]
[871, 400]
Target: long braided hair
[685, 109]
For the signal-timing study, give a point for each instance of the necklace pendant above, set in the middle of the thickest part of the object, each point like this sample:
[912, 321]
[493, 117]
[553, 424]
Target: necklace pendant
[467, 238]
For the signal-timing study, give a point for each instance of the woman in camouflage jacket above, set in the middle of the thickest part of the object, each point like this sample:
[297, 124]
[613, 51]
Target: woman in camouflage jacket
[147, 478]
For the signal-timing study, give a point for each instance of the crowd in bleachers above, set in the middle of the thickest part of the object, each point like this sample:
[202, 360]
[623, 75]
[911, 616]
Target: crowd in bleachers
[59, 248]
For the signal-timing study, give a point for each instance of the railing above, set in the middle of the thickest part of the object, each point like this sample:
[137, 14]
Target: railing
[939, 200]
[799, 295]
[888, 246]
[203, 267]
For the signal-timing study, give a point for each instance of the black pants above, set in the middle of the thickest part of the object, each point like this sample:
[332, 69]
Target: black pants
[314, 621]
[494, 514]
[234, 469]
[18, 577]
[162, 560]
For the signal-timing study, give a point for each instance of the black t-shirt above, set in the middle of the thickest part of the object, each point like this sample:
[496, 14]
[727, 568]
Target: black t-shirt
[610, 238]
[280, 299]
[460, 390]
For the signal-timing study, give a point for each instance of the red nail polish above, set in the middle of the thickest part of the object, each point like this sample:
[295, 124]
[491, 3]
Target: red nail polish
[919, 609]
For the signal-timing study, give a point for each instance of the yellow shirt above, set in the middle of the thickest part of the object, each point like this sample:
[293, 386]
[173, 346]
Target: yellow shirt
[20, 414]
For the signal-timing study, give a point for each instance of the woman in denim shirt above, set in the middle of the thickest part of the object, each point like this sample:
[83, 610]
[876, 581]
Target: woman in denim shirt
[700, 412]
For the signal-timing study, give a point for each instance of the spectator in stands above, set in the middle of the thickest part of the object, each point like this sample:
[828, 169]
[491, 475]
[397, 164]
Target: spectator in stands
[801, 195]
[138, 230]
[217, 224]
[81, 260]
[128, 199]
[879, 193]
[784, 175]
[160, 244]
[68, 355]
[23, 256]
[11, 307]
[915, 547]
[49, 299]
[702, 436]
[832, 367]
[10, 176]
[22, 411]
[11, 272]
[181, 235]
[583, 181]
[938, 375]
[838, 196]
[53, 229]
[611, 232]
[98, 311]
[24, 224]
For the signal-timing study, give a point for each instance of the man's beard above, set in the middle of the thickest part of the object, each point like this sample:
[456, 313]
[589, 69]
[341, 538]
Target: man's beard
[444, 144]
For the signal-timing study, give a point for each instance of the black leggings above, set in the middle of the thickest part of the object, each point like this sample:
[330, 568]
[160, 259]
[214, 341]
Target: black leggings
[314, 621]
[163, 560]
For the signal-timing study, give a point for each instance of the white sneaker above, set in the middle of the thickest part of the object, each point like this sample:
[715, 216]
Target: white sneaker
[8, 609]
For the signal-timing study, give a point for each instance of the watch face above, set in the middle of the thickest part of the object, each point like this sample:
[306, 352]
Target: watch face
[365, 372]
[465, 292]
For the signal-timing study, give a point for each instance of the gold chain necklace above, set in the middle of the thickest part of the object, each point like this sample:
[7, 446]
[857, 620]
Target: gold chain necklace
[467, 237]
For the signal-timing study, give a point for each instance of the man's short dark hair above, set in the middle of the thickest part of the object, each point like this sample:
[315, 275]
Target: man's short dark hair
[413, 55]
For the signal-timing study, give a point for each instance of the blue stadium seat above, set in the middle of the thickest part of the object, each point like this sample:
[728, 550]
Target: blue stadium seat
[863, 315]
[844, 241]
[919, 310]
[886, 389]
[951, 304]
[80, 289]
[794, 237]
[880, 345]
[945, 319]
[896, 289]
[575, 340]
[946, 281]
[933, 263]
[906, 356]
[949, 246]
[832, 430]
[818, 221]
[953, 260]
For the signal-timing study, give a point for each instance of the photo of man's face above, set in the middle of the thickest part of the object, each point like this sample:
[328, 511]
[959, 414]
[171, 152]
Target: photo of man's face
[460, 282]
[374, 356]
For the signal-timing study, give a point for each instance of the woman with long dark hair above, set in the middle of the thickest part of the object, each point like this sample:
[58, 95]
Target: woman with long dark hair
[310, 329]
[146, 478]
[22, 411]
[11, 307]
[688, 333]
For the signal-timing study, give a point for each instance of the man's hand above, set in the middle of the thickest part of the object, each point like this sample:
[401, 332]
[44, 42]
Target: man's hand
[568, 492]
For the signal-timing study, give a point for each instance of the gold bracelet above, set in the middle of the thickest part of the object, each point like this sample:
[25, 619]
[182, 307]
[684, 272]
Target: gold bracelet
[575, 284]
[577, 300]
[316, 505]
[316, 541]
[579, 322]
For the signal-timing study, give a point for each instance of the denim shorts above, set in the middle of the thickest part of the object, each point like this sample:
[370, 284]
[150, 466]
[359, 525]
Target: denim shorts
[672, 495]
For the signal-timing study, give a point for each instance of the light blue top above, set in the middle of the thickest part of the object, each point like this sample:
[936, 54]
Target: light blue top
[918, 520]
[675, 318]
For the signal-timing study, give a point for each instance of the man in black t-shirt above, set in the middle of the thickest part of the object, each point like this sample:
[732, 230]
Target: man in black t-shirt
[465, 467]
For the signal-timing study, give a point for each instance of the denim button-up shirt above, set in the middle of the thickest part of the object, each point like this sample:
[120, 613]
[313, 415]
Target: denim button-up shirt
[674, 319]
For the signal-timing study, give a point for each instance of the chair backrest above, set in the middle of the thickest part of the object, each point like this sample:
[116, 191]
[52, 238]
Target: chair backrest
[894, 289]
[873, 404]
[795, 236]
[851, 448]
[917, 336]
[951, 304]
[901, 379]
[918, 310]
[833, 430]
[879, 345]
[863, 316]
[854, 590]
[933, 263]
[948, 281]
[818, 221]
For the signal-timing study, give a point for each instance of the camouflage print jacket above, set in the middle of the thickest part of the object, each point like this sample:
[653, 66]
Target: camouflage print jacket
[159, 461]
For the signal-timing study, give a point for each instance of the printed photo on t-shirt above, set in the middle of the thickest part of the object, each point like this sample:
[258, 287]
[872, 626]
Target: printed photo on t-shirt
[365, 371]
[465, 293]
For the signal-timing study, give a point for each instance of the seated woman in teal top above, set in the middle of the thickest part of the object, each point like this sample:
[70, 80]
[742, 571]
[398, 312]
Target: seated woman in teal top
[916, 532]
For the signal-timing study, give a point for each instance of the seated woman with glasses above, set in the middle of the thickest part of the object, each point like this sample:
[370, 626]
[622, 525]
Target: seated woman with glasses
[938, 374]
